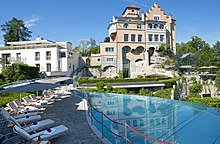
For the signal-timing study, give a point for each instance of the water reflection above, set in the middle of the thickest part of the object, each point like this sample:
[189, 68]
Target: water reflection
[154, 117]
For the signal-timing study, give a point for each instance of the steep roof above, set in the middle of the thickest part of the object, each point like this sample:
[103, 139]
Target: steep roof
[131, 7]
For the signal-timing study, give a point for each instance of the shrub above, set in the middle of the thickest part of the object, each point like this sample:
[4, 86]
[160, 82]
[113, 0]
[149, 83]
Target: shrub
[144, 92]
[122, 91]
[100, 85]
[170, 82]
[193, 79]
[91, 90]
[195, 88]
[109, 88]
[8, 97]
[212, 102]
[166, 93]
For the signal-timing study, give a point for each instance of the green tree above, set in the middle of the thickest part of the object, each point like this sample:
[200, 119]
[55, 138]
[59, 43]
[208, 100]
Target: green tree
[206, 56]
[120, 74]
[100, 85]
[15, 30]
[217, 80]
[107, 39]
[216, 48]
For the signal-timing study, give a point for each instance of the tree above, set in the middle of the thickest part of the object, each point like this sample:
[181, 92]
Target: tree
[107, 39]
[84, 45]
[216, 48]
[217, 80]
[206, 56]
[15, 30]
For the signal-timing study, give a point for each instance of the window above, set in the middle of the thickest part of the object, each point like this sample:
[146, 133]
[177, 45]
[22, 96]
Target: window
[161, 38]
[125, 37]
[134, 123]
[132, 10]
[161, 26]
[48, 67]
[157, 18]
[38, 66]
[110, 112]
[125, 61]
[18, 56]
[110, 59]
[150, 37]
[150, 26]
[125, 25]
[138, 26]
[98, 59]
[157, 121]
[6, 58]
[156, 38]
[109, 49]
[155, 26]
[132, 37]
[48, 55]
[139, 38]
[37, 55]
[62, 54]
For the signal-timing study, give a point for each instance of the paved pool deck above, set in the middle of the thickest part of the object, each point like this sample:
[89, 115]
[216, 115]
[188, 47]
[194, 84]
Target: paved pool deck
[65, 112]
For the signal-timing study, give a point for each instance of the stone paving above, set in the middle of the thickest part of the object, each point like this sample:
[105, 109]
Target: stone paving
[65, 113]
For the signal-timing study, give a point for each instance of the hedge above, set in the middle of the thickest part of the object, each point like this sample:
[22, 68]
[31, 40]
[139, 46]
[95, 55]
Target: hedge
[212, 102]
[118, 80]
[8, 97]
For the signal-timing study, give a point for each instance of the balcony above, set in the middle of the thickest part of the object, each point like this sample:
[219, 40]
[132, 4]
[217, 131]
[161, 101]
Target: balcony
[30, 46]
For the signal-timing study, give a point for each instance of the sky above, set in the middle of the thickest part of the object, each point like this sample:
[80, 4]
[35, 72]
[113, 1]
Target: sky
[73, 20]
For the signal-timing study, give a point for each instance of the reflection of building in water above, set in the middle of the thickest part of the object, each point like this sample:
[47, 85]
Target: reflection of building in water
[152, 117]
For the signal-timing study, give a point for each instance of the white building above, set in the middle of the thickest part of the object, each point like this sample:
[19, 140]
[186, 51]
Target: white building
[53, 58]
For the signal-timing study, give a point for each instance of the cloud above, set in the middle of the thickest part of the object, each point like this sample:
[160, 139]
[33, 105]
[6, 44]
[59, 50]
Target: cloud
[32, 21]
[136, 3]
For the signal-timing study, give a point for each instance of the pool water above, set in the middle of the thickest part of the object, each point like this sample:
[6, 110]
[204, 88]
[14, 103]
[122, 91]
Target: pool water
[159, 120]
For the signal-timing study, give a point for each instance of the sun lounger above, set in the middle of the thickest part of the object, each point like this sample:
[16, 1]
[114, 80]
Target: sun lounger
[19, 115]
[27, 100]
[18, 104]
[33, 97]
[35, 126]
[46, 134]
[23, 120]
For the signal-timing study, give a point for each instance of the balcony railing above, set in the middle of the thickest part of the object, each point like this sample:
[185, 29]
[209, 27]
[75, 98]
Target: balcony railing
[30, 46]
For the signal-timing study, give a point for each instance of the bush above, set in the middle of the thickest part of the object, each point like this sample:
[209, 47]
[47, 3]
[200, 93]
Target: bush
[90, 90]
[109, 88]
[122, 91]
[170, 82]
[195, 88]
[166, 93]
[144, 92]
[118, 80]
[100, 85]
[212, 102]
[193, 79]
[194, 95]
[8, 97]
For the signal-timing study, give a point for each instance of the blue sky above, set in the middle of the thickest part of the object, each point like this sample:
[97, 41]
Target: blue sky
[72, 20]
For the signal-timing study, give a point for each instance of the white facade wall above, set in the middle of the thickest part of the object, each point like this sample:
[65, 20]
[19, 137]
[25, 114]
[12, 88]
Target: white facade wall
[59, 66]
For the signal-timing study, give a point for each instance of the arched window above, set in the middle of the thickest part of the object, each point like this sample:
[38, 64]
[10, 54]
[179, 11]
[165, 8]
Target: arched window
[155, 26]
[125, 25]
[161, 26]
[150, 26]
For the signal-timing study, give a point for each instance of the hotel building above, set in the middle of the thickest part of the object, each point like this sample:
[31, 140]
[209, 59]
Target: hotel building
[135, 38]
[52, 58]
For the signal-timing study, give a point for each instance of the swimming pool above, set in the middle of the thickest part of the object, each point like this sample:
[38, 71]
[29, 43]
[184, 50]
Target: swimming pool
[154, 120]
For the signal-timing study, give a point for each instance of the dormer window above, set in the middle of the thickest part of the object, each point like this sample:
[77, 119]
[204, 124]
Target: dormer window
[125, 25]
[132, 10]
[156, 18]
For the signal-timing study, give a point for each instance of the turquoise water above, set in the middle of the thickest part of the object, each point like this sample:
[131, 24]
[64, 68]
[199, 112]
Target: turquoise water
[161, 119]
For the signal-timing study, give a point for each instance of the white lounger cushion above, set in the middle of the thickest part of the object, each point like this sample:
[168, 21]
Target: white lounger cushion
[30, 119]
[56, 131]
[40, 125]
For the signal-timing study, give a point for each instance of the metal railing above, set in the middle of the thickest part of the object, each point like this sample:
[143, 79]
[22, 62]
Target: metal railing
[30, 46]
[105, 130]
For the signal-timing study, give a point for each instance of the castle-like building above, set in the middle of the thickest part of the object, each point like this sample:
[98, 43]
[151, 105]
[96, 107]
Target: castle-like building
[134, 38]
